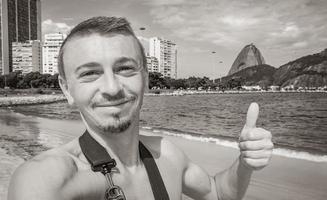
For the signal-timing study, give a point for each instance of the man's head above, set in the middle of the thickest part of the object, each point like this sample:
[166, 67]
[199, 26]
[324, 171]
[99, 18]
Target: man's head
[98, 25]
[102, 72]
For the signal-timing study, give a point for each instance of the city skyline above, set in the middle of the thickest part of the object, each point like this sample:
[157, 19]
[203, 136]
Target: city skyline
[281, 30]
[165, 51]
[50, 52]
[20, 22]
[27, 56]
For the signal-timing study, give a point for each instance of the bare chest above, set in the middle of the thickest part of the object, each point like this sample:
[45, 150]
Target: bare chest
[135, 184]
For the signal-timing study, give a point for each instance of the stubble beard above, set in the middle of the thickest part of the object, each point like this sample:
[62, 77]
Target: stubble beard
[118, 126]
[114, 125]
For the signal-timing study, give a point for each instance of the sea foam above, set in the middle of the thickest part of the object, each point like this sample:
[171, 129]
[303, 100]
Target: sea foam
[233, 144]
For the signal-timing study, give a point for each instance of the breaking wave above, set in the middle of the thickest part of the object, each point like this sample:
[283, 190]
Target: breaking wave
[290, 153]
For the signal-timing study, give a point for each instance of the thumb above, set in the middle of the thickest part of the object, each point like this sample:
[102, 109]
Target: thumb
[252, 116]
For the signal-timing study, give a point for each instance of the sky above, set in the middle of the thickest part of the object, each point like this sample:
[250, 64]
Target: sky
[283, 30]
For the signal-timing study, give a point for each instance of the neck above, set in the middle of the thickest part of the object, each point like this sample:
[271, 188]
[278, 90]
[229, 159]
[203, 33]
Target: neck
[123, 146]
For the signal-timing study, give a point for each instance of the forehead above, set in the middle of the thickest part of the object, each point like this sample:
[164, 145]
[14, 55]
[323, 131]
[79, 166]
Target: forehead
[101, 49]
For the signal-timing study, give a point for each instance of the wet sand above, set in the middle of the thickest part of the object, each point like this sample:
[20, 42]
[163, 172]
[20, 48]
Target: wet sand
[284, 178]
[23, 136]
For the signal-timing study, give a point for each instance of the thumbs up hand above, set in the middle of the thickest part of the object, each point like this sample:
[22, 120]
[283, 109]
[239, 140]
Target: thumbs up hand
[255, 143]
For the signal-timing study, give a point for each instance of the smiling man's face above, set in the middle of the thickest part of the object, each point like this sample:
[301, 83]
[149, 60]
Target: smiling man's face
[105, 79]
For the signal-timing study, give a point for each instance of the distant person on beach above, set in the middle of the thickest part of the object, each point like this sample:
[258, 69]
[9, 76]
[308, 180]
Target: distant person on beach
[102, 72]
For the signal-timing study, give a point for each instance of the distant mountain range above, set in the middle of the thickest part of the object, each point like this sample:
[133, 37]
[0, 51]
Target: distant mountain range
[307, 71]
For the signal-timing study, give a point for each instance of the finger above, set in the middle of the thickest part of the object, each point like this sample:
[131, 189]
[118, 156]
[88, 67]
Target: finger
[256, 145]
[255, 134]
[256, 163]
[256, 154]
[252, 115]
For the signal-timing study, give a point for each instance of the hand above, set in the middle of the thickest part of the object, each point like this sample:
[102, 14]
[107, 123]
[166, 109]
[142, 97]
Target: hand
[255, 143]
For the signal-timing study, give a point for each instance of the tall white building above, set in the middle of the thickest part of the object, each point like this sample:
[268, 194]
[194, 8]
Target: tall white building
[20, 21]
[166, 53]
[145, 43]
[26, 56]
[152, 64]
[51, 47]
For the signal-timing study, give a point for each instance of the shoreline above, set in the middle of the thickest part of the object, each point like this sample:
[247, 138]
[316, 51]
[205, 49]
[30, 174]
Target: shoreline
[204, 92]
[32, 99]
[286, 152]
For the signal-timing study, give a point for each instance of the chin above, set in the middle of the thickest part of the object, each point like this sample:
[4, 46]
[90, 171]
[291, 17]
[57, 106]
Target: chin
[113, 124]
[117, 126]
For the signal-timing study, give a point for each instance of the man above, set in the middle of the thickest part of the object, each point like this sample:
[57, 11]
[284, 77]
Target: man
[103, 73]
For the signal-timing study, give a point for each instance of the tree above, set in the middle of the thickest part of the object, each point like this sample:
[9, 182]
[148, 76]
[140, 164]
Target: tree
[52, 81]
[191, 82]
[157, 80]
[234, 83]
[177, 83]
[196, 82]
[2, 81]
[11, 80]
[28, 80]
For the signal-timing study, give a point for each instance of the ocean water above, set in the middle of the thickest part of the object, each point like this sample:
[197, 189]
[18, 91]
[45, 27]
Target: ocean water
[298, 121]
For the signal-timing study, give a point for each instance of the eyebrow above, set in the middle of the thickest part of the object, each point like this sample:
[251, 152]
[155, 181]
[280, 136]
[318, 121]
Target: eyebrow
[120, 60]
[123, 60]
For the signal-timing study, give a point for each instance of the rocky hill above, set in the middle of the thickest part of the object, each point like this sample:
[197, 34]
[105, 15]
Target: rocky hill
[307, 71]
[256, 75]
[248, 57]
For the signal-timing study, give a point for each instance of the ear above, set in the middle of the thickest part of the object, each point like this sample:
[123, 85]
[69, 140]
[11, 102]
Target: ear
[64, 88]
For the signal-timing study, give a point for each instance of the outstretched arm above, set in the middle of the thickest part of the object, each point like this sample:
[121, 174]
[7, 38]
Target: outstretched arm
[255, 152]
[233, 182]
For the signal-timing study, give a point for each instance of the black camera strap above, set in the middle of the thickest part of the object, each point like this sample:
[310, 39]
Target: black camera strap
[101, 161]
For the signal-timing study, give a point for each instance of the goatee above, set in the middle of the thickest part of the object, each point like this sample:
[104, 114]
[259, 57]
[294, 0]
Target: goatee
[116, 129]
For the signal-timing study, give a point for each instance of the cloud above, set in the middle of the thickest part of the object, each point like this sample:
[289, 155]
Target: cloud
[300, 44]
[214, 23]
[168, 16]
[165, 2]
[49, 26]
[193, 49]
[234, 23]
[238, 21]
[289, 31]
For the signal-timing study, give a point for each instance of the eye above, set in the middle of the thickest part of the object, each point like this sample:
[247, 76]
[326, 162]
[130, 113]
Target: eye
[126, 69]
[89, 75]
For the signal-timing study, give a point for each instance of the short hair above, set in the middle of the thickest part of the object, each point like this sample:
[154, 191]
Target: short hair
[103, 26]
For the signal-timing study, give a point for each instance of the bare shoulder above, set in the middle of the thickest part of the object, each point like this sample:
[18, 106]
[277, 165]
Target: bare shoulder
[44, 174]
[162, 147]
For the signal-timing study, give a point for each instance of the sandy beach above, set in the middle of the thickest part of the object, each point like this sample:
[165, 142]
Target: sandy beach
[285, 178]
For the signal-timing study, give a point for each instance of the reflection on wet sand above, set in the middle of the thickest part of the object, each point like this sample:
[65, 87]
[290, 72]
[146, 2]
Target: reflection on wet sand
[19, 135]
[22, 137]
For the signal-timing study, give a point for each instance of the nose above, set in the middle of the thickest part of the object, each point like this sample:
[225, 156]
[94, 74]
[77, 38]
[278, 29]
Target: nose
[110, 85]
